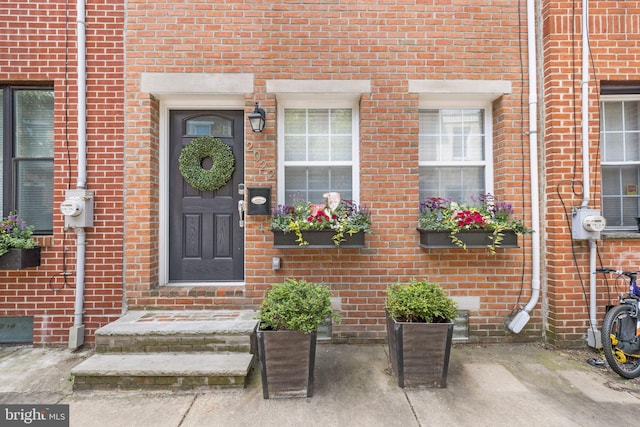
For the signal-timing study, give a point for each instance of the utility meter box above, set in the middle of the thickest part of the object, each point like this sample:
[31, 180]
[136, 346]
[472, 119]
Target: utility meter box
[78, 209]
[587, 224]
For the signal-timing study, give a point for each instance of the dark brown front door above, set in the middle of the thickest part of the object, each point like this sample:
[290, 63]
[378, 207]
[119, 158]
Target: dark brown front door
[206, 240]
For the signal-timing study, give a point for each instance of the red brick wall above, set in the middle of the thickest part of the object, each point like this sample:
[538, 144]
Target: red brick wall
[39, 37]
[614, 57]
[387, 43]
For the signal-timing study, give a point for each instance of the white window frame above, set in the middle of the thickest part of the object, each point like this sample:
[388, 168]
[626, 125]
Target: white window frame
[461, 104]
[616, 98]
[320, 102]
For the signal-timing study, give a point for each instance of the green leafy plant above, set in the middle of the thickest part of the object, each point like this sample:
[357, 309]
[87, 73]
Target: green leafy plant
[296, 305]
[15, 233]
[342, 216]
[420, 301]
[484, 213]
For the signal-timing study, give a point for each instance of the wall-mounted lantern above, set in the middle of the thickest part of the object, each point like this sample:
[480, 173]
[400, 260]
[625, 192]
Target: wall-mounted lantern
[257, 118]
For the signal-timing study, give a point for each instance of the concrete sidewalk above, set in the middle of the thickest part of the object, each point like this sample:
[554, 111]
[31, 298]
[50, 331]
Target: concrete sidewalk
[498, 385]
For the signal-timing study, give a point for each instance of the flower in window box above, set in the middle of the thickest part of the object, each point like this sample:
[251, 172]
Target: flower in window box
[343, 217]
[484, 213]
[15, 233]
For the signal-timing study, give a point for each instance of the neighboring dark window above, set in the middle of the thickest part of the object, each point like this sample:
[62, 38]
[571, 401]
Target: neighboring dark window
[26, 132]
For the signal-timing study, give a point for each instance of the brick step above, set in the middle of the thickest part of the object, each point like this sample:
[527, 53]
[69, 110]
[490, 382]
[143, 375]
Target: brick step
[163, 371]
[178, 331]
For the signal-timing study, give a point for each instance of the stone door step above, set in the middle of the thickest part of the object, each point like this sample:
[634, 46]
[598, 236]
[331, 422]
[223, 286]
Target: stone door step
[163, 371]
[178, 331]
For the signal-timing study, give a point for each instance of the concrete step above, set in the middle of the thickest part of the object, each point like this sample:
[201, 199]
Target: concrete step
[178, 331]
[163, 371]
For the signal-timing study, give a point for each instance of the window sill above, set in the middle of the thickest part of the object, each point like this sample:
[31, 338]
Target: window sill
[620, 235]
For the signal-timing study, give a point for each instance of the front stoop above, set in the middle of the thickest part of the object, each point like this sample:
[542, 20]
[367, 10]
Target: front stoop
[171, 350]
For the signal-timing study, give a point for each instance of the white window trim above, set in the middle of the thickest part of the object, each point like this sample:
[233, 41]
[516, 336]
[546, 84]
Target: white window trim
[320, 101]
[487, 163]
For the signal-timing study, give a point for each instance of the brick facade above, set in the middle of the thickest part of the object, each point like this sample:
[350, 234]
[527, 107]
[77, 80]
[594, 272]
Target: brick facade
[386, 43]
[38, 39]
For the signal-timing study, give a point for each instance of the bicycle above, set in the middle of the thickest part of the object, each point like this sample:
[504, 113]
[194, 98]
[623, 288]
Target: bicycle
[621, 329]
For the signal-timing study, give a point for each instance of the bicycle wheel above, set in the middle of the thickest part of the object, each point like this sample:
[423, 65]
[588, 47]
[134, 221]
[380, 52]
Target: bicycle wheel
[619, 341]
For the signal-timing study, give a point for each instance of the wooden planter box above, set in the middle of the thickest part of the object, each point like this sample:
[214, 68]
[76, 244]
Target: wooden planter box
[316, 239]
[420, 352]
[287, 360]
[20, 258]
[471, 238]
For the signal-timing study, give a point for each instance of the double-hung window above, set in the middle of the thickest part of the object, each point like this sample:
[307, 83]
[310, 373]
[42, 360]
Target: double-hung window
[620, 142]
[26, 132]
[455, 151]
[317, 150]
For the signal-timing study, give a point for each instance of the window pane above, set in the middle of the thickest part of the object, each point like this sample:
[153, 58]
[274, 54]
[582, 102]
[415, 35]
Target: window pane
[620, 196]
[632, 151]
[319, 148]
[34, 123]
[613, 146]
[341, 148]
[209, 126]
[629, 211]
[613, 116]
[341, 121]
[632, 116]
[429, 148]
[611, 180]
[458, 183]
[318, 121]
[612, 211]
[312, 182]
[295, 148]
[34, 192]
[295, 121]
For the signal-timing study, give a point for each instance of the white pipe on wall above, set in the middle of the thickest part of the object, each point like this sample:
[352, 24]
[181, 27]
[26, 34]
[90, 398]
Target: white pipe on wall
[593, 334]
[76, 333]
[522, 317]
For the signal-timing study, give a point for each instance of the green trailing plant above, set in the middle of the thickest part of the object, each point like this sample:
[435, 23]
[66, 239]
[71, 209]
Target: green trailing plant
[344, 217]
[15, 233]
[190, 163]
[484, 213]
[296, 305]
[420, 301]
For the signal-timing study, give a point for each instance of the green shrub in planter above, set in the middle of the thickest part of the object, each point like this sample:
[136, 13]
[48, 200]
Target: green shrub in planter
[296, 305]
[419, 330]
[289, 319]
[420, 301]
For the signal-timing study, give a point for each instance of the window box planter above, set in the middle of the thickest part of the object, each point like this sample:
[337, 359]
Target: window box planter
[316, 239]
[20, 258]
[471, 238]
[420, 352]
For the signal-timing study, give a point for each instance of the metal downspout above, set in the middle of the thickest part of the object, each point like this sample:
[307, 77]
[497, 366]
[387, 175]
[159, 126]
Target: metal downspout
[522, 317]
[76, 333]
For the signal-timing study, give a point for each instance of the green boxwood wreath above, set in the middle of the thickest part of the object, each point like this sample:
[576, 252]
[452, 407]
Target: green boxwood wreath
[190, 163]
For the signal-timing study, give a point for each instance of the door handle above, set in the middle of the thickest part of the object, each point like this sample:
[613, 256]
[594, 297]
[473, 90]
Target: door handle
[241, 209]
